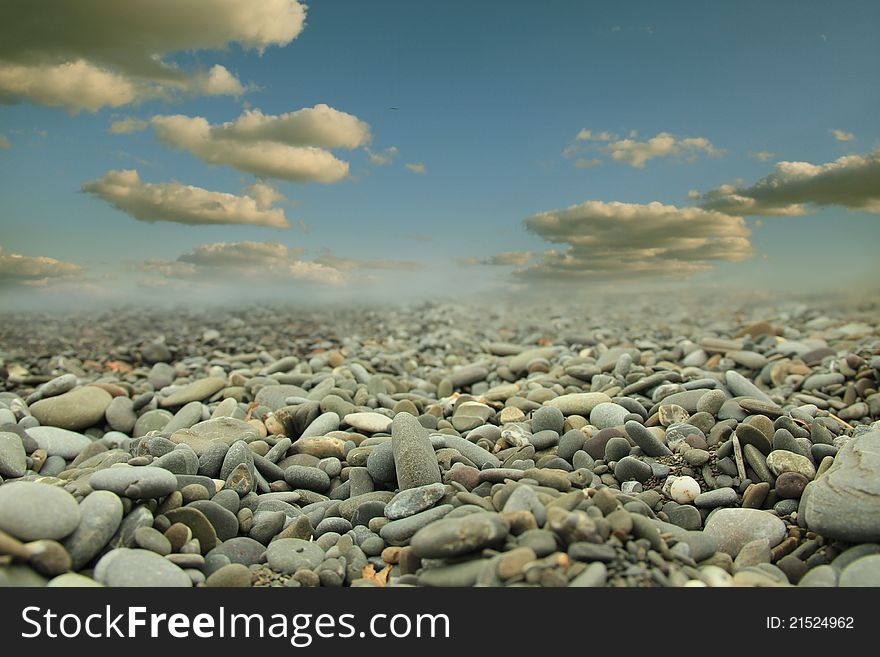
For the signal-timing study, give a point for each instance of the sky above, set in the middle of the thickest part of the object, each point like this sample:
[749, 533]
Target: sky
[229, 151]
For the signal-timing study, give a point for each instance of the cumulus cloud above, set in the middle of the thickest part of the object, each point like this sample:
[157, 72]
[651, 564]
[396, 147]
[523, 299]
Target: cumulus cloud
[186, 204]
[99, 53]
[383, 158]
[587, 163]
[35, 270]
[289, 146]
[349, 264]
[234, 261]
[416, 167]
[320, 125]
[840, 135]
[127, 125]
[628, 241]
[761, 156]
[637, 153]
[794, 188]
[589, 135]
[504, 259]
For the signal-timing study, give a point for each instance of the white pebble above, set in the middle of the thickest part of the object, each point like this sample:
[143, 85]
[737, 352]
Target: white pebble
[684, 490]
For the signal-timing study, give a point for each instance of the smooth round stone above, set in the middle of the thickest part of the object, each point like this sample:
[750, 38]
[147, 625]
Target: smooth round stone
[155, 420]
[823, 575]
[120, 414]
[225, 522]
[711, 402]
[241, 549]
[59, 442]
[31, 511]
[233, 575]
[862, 572]
[790, 485]
[287, 555]
[201, 527]
[399, 532]
[140, 568]
[195, 391]
[696, 457]
[134, 482]
[749, 435]
[844, 503]
[301, 476]
[74, 410]
[684, 490]
[152, 540]
[369, 422]
[579, 403]
[227, 430]
[72, 581]
[548, 418]
[714, 498]
[455, 536]
[650, 444]
[780, 461]
[273, 397]
[631, 468]
[733, 528]
[322, 425]
[607, 415]
[474, 453]
[414, 458]
[189, 415]
[414, 500]
[740, 386]
[13, 459]
[101, 513]
[616, 449]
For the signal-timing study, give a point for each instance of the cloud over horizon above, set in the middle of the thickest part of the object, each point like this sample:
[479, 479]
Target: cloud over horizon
[35, 270]
[186, 204]
[103, 53]
[796, 188]
[629, 241]
[291, 146]
[633, 152]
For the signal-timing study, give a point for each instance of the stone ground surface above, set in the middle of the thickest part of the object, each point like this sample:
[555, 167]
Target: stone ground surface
[440, 444]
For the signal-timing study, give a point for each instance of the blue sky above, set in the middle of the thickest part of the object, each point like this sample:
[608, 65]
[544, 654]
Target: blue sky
[491, 97]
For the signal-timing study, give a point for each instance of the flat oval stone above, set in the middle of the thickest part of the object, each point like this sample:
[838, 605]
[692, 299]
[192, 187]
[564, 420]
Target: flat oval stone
[650, 444]
[780, 461]
[288, 555]
[78, 409]
[30, 511]
[369, 422]
[201, 527]
[223, 429]
[101, 516]
[125, 567]
[414, 458]
[195, 391]
[134, 482]
[59, 442]
[13, 459]
[455, 536]
[411, 501]
[608, 414]
[733, 528]
[579, 403]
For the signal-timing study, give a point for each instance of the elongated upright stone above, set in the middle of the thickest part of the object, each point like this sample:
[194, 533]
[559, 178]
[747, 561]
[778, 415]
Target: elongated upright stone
[414, 457]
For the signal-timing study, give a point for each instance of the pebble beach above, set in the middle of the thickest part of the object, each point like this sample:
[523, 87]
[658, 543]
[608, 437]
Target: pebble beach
[443, 444]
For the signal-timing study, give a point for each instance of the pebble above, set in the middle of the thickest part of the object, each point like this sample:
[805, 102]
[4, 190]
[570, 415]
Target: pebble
[412, 501]
[74, 410]
[125, 567]
[288, 555]
[733, 528]
[135, 482]
[30, 511]
[59, 442]
[13, 459]
[684, 490]
[451, 537]
[414, 459]
[101, 513]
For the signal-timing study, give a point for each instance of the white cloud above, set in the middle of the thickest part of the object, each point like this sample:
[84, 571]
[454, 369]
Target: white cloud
[320, 125]
[383, 158]
[127, 125]
[636, 153]
[264, 146]
[348, 264]
[584, 163]
[840, 135]
[589, 135]
[36, 271]
[761, 156]
[852, 181]
[185, 204]
[220, 82]
[98, 53]
[416, 167]
[4, 142]
[626, 241]
[74, 85]
[234, 261]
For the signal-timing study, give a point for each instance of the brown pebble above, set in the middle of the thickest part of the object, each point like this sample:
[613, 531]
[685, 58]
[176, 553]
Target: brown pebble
[755, 495]
[511, 564]
[48, 557]
[786, 547]
[391, 554]
[233, 575]
[178, 535]
[409, 561]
